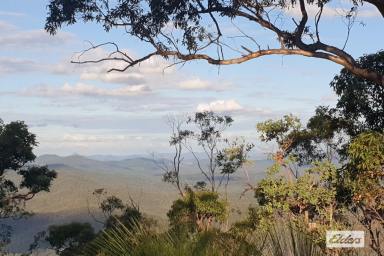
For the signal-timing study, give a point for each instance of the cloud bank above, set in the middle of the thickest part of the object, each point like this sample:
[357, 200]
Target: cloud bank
[220, 106]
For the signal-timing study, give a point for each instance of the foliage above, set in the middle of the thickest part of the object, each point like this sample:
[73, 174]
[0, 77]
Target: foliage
[278, 129]
[193, 30]
[208, 135]
[311, 195]
[130, 215]
[20, 181]
[282, 132]
[324, 195]
[197, 210]
[366, 184]
[291, 239]
[113, 208]
[123, 241]
[279, 239]
[204, 132]
[361, 101]
[177, 140]
[110, 204]
[230, 159]
[317, 141]
[311, 198]
[69, 239]
[367, 156]
[360, 108]
[350, 133]
[17, 144]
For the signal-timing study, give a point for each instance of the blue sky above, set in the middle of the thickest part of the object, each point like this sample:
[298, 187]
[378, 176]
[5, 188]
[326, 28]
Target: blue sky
[82, 109]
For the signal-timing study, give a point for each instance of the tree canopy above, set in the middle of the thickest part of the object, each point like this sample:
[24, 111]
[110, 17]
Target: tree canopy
[69, 239]
[361, 101]
[20, 180]
[197, 210]
[342, 149]
[204, 132]
[194, 29]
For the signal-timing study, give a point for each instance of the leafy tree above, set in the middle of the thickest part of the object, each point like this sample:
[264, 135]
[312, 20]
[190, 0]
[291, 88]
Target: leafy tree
[130, 216]
[114, 210]
[310, 198]
[177, 140]
[112, 203]
[281, 131]
[232, 158]
[196, 29]
[197, 210]
[323, 137]
[359, 109]
[361, 101]
[69, 239]
[207, 128]
[365, 181]
[323, 194]
[20, 181]
[356, 126]
[109, 205]
[208, 134]
[204, 132]
[353, 130]
[310, 194]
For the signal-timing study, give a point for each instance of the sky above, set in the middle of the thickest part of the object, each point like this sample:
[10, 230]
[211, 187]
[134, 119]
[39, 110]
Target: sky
[82, 109]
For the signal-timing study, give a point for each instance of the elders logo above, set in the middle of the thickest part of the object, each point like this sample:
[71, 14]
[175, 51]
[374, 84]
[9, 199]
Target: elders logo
[345, 239]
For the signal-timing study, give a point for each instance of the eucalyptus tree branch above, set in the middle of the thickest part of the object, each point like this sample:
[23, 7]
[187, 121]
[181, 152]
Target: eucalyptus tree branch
[146, 24]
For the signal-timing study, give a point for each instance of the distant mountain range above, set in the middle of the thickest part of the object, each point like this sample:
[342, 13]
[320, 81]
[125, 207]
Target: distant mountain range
[133, 164]
[91, 164]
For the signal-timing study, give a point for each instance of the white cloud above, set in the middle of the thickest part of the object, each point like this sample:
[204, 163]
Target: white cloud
[82, 89]
[115, 77]
[78, 137]
[12, 65]
[200, 84]
[5, 26]
[370, 12]
[220, 106]
[195, 84]
[36, 39]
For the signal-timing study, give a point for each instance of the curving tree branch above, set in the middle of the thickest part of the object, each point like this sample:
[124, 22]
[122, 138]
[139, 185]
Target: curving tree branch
[197, 32]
